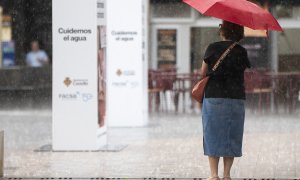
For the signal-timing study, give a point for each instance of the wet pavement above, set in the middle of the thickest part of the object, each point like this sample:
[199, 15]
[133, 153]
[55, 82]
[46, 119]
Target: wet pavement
[169, 147]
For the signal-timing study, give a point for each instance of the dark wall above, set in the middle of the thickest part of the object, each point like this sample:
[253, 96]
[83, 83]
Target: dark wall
[285, 2]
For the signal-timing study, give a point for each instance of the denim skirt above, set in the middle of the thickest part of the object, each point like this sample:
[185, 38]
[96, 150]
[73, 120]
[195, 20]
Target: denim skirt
[223, 126]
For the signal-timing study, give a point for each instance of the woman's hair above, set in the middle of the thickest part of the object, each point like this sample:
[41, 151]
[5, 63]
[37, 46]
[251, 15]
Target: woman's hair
[232, 31]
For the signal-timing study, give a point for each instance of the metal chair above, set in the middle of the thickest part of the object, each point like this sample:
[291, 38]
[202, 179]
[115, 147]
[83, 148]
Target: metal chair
[258, 87]
[159, 82]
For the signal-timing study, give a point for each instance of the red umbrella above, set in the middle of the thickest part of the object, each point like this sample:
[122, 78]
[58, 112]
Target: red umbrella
[241, 12]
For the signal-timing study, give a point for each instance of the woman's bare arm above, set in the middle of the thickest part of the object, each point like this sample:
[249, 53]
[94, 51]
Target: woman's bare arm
[204, 69]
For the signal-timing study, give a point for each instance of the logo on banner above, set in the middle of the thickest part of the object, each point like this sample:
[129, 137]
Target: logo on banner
[76, 82]
[81, 82]
[125, 83]
[85, 97]
[119, 72]
[67, 81]
[125, 72]
[129, 84]
[68, 96]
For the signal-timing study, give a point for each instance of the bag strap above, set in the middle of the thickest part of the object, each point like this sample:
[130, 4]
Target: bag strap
[224, 55]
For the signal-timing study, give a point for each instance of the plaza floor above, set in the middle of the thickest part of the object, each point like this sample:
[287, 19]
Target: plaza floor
[169, 147]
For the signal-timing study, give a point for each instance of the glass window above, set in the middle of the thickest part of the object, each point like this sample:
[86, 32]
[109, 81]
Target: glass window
[289, 50]
[170, 10]
[201, 37]
[288, 42]
[166, 49]
[296, 12]
[284, 11]
[288, 11]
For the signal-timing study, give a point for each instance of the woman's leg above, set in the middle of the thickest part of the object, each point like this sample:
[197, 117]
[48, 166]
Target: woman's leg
[228, 161]
[213, 164]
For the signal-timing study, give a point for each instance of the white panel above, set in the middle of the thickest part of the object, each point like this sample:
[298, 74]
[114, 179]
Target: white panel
[1, 153]
[126, 78]
[145, 38]
[75, 112]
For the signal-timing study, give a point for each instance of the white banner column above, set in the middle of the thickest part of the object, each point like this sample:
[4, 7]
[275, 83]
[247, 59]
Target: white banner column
[1, 154]
[79, 49]
[127, 63]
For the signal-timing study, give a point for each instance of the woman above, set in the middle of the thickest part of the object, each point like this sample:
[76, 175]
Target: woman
[223, 110]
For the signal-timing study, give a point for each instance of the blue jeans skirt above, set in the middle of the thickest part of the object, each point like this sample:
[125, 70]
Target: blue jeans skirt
[223, 126]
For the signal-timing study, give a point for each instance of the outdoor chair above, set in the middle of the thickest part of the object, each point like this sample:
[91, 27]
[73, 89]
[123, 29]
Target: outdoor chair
[258, 89]
[160, 82]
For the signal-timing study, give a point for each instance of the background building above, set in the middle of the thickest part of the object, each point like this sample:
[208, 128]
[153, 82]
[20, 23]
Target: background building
[178, 35]
[189, 33]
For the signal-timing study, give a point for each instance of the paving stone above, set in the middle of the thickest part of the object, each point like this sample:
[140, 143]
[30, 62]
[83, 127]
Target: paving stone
[170, 146]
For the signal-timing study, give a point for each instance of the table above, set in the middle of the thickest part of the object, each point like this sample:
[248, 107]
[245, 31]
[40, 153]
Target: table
[178, 84]
[183, 84]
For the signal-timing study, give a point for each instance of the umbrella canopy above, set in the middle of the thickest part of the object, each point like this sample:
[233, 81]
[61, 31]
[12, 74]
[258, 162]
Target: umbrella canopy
[241, 12]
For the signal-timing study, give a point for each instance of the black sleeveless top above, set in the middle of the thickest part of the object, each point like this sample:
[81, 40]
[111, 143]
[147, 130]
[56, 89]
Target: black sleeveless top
[228, 80]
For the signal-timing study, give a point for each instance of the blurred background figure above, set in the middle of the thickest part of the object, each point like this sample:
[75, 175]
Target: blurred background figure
[36, 57]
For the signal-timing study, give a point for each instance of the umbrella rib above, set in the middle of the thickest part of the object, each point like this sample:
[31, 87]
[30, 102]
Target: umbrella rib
[220, 3]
